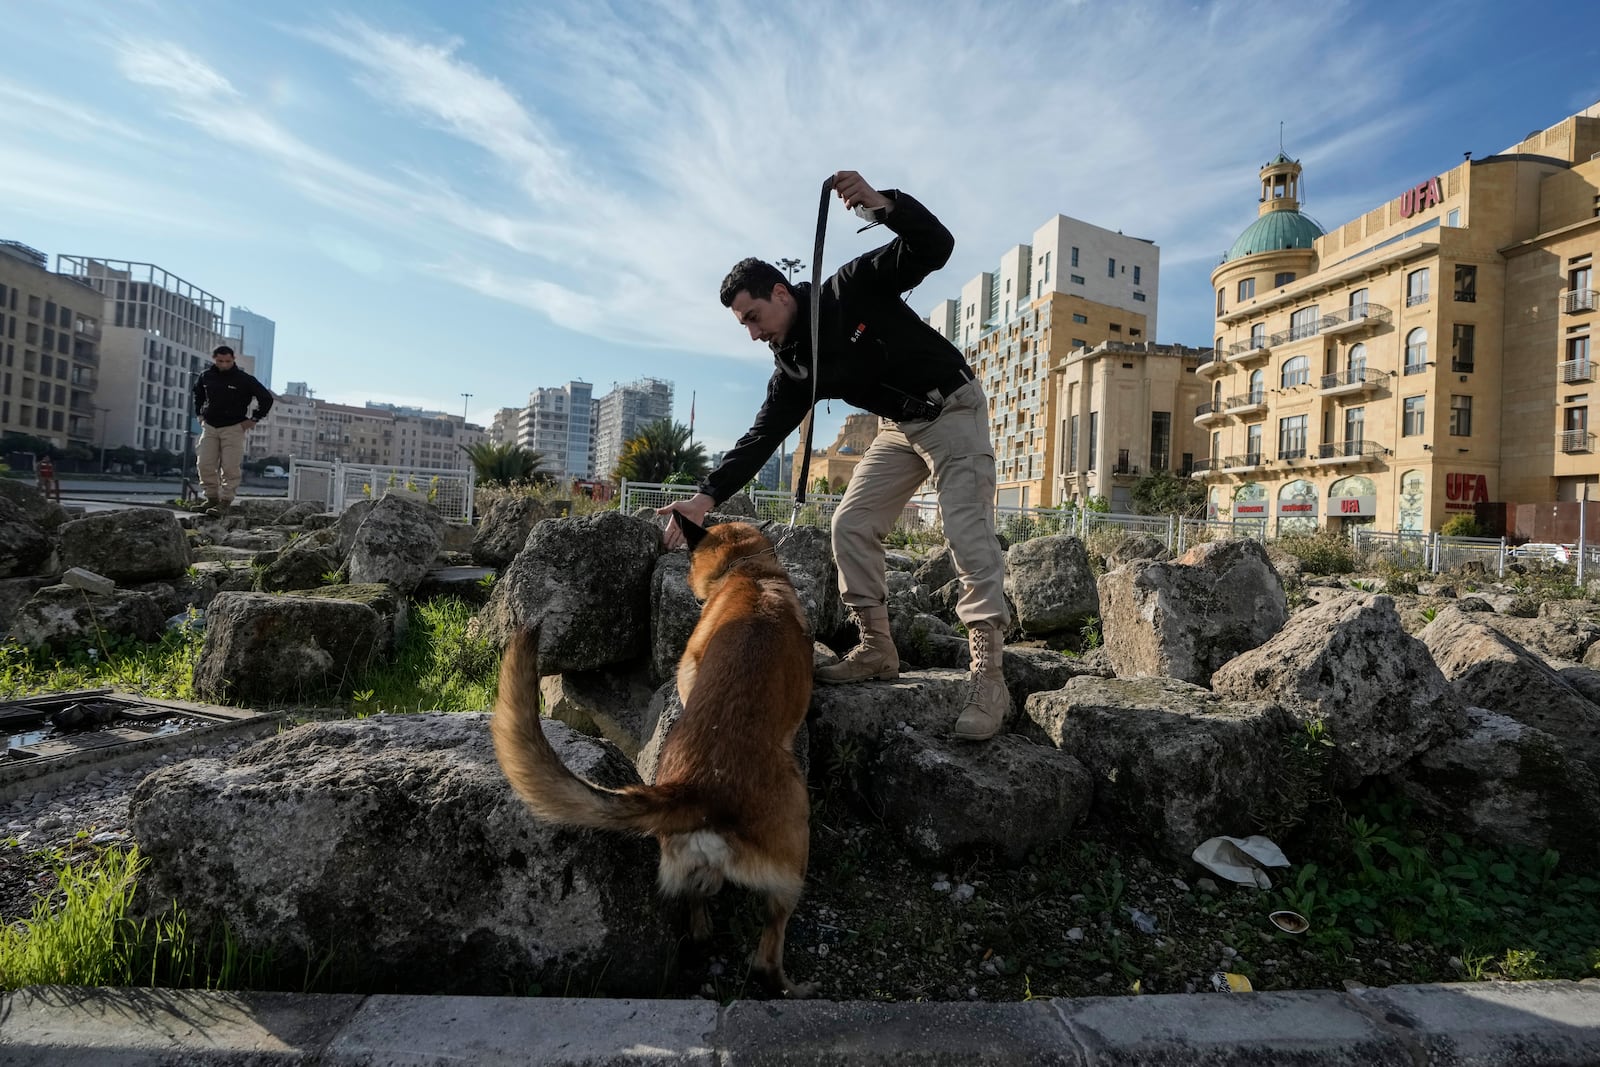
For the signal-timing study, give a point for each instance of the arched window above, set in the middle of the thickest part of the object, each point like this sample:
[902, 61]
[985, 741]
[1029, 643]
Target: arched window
[1258, 386]
[1296, 371]
[1355, 363]
[1216, 393]
[1417, 351]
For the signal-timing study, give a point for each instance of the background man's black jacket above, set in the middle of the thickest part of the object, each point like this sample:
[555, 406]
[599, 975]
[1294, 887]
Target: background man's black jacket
[222, 398]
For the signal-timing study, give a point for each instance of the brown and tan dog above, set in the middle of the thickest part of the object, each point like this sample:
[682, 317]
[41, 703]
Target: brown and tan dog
[729, 801]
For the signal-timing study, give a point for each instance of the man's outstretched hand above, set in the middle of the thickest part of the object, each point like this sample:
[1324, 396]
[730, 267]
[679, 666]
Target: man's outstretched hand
[694, 509]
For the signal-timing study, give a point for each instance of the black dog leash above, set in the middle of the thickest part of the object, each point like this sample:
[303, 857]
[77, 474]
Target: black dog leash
[816, 328]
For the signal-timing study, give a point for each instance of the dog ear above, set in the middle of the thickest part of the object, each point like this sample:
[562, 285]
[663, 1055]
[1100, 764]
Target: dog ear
[693, 533]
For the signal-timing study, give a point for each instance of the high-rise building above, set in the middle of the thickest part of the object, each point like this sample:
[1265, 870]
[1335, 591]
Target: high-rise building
[1428, 355]
[621, 413]
[558, 423]
[379, 435]
[255, 334]
[1075, 286]
[503, 431]
[157, 333]
[49, 351]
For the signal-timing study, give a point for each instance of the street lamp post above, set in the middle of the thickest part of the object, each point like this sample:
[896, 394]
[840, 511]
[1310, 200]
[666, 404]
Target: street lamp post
[464, 398]
[103, 413]
[789, 266]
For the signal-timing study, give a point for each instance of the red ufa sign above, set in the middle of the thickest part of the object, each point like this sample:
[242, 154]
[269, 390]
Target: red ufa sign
[1420, 197]
[1461, 491]
[1250, 509]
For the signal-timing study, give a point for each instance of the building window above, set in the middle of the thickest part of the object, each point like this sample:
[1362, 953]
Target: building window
[1574, 428]
[1304, 323]
[1417, 351]
[1078, 342]
[1160, 440]
[1355, 363]
[1247, 288]
[1355, 423]
[1466, 283]
[1292, 437]
[1139, 297]
[1252, 445]
[1077, 279]
[1258, 335]
[1111, 268]
[1453, 218]
[1462, 335]
[1417, 287]
[1136, 275]
[1415, 418]
[1094, 438]
[1282, 278]
[1079, 318]
[1577, 367]
[1296, 371]
[1258, 387]
[1460, 416]
[1046, 267]
[1074, 255]
[1072, 445]
[1219, 301]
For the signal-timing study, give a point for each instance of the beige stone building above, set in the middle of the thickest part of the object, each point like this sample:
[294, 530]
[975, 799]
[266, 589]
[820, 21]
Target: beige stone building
[1408, 364]
[1122, 412]
[49, 351]
[1075, 286]
[288, 432]
[838, 461]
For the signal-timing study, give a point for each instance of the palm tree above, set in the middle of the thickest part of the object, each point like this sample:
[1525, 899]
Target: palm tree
[504, 464]
[660, 450]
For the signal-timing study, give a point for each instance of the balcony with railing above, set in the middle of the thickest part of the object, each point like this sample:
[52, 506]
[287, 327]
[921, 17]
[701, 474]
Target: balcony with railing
[1211, 366]
[1576, 300]
[1355, 380]
[1242, 463]
[89, 331]
[1248, 351]
[1356, 318]
[1413, 299]
[1246, 404]
[82, 404]
[1576, 441]
[1576, 370]
[1201, 467]
[1360, 451]
[1209, 412]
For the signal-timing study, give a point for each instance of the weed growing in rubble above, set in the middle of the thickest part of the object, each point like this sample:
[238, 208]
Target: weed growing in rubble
[441, 665]
[164, 669]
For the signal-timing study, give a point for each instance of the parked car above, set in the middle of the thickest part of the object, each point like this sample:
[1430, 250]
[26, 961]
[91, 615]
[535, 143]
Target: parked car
[1541, 550]
[274, 471]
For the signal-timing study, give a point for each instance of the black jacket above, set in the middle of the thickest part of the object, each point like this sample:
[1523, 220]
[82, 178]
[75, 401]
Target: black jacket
[875, 351]
[222, 398]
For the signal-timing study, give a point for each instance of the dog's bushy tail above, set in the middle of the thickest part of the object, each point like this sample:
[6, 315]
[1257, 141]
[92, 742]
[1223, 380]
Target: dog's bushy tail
[552, 791]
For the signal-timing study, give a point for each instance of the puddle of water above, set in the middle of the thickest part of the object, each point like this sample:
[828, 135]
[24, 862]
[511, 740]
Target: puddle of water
[144, 719]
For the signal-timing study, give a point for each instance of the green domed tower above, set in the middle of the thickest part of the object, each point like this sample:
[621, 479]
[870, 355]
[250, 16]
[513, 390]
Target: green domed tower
[1274, 250]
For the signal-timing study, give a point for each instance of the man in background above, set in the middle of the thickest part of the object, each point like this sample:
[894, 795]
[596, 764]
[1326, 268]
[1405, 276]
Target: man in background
[223, 397]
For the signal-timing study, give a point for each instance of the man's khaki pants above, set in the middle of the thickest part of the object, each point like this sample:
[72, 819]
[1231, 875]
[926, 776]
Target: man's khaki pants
[956, 448]
[221, 454]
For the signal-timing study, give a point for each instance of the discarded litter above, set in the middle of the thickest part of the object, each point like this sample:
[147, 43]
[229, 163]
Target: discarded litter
[1240, 859]
[1290, 922]
[185, 621]
[1229, 982]
[1143, 921]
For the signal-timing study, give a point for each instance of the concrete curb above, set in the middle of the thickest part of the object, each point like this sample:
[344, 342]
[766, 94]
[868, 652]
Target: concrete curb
[1531, 1024]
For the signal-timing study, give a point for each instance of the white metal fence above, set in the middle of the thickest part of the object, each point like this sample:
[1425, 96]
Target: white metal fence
[337, 485]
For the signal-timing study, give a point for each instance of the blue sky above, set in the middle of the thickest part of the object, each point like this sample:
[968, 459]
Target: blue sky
[437, 198]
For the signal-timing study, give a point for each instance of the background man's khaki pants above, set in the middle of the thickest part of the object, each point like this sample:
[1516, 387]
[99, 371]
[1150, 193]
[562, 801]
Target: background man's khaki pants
[221, 453]
[956, 448]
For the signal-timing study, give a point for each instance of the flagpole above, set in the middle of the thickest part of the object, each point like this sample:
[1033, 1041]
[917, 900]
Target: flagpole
[692, 396]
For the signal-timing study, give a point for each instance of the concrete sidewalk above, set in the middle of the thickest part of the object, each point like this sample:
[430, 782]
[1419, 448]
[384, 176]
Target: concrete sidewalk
[1506, 1025]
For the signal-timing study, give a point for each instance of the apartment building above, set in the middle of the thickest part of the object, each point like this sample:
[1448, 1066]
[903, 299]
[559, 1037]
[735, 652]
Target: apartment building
[1424, 357]
[49, 351]
[289, 432]
[503, 429]
[558, 423]
[1073, 287]
[157, 333]
[621, 413]
[1124, 413]
[257, 335]
[433, 440]
[387, 435]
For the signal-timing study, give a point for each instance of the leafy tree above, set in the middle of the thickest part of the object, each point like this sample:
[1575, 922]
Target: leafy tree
[22, 442]
[505, 464]
[658, 451]
[1164, 493]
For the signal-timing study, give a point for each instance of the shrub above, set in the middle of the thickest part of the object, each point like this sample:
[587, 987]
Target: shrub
[1462, 526]
[1323, 552]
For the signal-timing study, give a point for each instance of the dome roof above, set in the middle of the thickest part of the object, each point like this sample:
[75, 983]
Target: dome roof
[1273, 232]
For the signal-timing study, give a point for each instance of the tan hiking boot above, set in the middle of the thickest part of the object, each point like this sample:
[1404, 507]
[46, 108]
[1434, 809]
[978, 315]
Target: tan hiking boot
[988, 699]
[875, 657]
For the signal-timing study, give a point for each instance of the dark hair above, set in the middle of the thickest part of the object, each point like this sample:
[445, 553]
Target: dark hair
[221, 350]
[753, 276]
